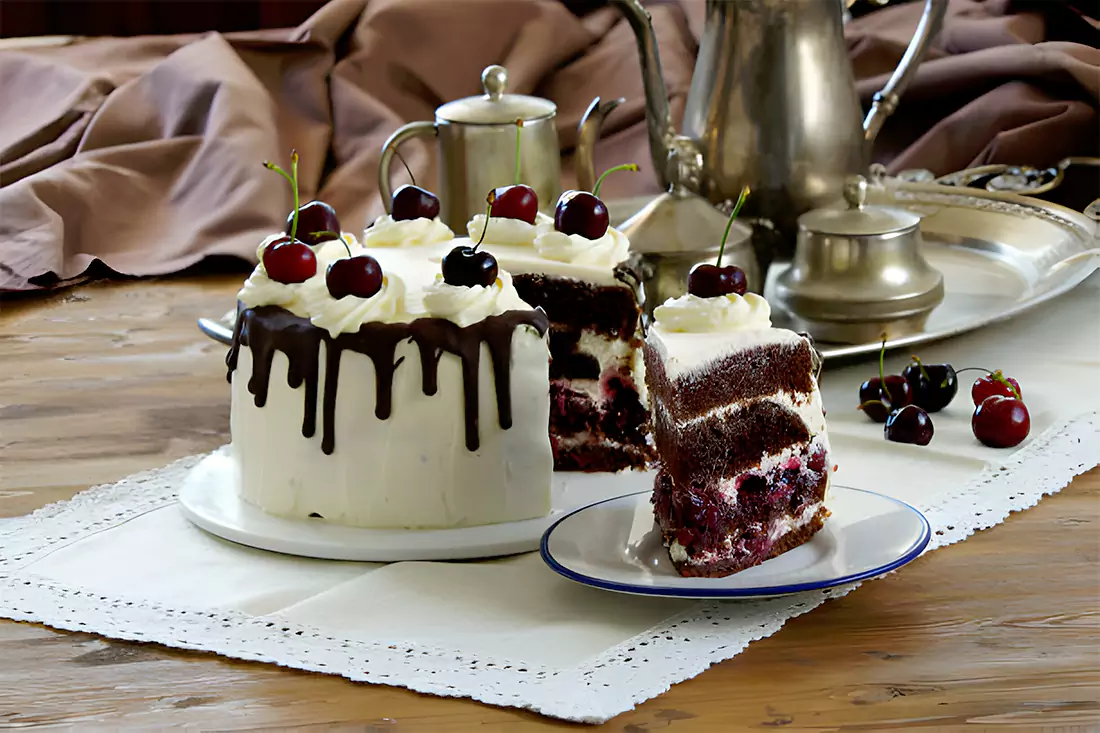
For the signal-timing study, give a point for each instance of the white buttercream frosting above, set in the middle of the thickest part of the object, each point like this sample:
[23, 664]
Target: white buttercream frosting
[466, 305]
[388, 232]
[523, 248]
[259, 289]
[509, 232]
[607, 251]
[347, 314]
[692, 314]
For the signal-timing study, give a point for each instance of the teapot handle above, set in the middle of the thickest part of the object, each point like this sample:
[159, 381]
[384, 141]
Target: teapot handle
[403, 133]
[886, 100]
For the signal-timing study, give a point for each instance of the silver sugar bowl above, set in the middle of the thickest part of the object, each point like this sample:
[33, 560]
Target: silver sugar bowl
[859, 272]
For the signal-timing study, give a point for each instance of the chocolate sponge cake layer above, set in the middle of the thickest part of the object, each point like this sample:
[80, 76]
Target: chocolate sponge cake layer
[606, 310]
[706, 450]
[759, 372]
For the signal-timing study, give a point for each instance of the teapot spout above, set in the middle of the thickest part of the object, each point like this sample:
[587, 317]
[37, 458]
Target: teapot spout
[588, 132]
[657, 112]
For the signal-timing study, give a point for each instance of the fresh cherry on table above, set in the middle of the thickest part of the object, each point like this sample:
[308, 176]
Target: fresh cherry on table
[413, 202]
[910, 424]
[934, 385]
[579, 212]
[289, 261]
[515, 202]
[992, 384]
[359, 276]
[879, 396]
[468, 266]
[317, 223]
[1001, 422]
[712, 281]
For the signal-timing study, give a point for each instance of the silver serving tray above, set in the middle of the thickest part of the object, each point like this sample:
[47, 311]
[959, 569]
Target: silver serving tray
[1001, 254]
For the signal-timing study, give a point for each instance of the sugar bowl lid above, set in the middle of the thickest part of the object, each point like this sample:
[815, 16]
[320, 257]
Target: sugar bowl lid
[496, 107]
[858, 219]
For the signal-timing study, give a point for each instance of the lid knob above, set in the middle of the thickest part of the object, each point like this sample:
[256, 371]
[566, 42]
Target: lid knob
[494, 79]
[855, 191]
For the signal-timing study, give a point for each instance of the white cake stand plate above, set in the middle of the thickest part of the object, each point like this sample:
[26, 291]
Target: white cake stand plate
[209, 498]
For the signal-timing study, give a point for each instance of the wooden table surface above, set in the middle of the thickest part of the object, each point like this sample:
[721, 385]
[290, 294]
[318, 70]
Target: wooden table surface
[1001, 632]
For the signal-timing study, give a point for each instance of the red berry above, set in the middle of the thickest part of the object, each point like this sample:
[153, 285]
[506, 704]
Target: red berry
[878, 401]
[289, 261]
[515, 202]
[711, 281]
[317, 223]
[360, 277]
[413, 202]
[579, 212]
[910, 424]
[1001, 422]
[994, 384]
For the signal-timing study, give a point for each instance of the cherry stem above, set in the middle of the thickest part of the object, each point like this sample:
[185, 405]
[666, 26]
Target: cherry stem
[491, 198]
[407, 168]
[729, 224]
[974, 369]
[871, 402]
[923, 371]
[998, 377]
[346, 245]
[519, 128]
[882, 369]
[291, 178]
[625, 167]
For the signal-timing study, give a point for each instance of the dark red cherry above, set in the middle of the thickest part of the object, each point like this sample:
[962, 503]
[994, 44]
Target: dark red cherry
[1001, 422]
[289, 261]
[711, 281]
[413, 202]
[934, 385]
[579, 212]
[359, 276]
[910, 424]
[878, 400]
[994, 384]
[317, 223]
[467, 267]
[515, 202]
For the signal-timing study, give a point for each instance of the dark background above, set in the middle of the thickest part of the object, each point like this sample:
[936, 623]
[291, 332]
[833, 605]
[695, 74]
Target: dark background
[140, 17]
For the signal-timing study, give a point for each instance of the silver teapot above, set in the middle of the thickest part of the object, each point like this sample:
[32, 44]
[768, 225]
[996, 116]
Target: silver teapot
[772, 105]
[477, 149]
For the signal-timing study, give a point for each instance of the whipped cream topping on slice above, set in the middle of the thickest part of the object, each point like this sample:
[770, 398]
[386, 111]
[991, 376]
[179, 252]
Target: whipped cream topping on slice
[692, 314]
[388, 232]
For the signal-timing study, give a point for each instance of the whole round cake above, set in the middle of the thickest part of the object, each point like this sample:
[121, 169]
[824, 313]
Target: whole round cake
[369, 389]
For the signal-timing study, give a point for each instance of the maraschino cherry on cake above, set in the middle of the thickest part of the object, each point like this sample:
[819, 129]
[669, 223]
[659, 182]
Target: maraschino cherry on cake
[371, 389]
[743, 449]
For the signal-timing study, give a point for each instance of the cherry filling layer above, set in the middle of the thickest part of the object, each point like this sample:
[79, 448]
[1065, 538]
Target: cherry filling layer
[735, 518]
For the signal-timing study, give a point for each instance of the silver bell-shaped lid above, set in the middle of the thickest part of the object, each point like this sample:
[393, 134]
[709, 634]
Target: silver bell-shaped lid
[858, 219]
[496, 106]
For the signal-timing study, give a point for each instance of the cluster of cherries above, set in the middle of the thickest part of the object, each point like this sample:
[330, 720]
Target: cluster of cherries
[903, 401]
[577, 212]
[291, 259]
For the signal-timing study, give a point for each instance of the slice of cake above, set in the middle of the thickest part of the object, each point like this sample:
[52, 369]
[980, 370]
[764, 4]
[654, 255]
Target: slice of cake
[743, 451]
[579, 271]
[369, 391]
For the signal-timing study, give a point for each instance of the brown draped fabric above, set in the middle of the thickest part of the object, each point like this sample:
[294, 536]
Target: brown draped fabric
[144, 153]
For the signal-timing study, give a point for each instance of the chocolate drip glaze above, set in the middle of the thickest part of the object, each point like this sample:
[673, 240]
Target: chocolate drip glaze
[268, 329]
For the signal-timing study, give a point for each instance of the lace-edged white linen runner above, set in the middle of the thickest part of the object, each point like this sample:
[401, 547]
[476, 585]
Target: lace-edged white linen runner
[120, 560]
